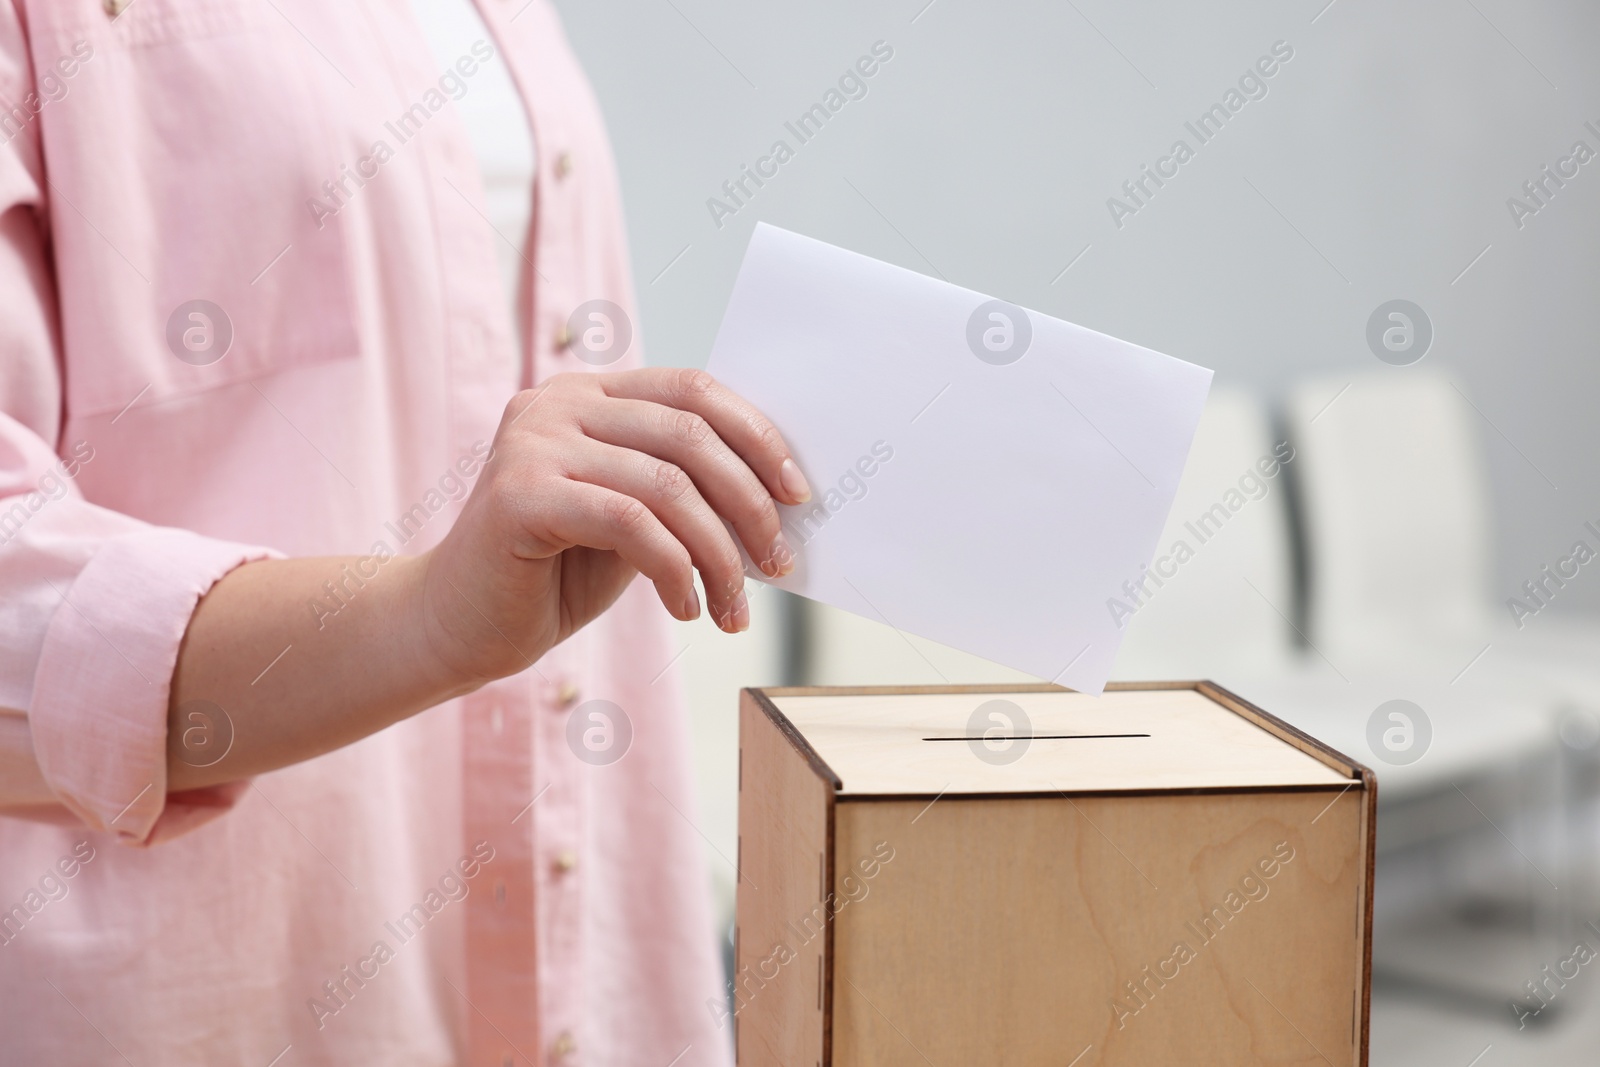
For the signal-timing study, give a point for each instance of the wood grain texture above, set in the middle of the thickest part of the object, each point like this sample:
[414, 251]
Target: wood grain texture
[875, 743]
[781, 932]
[1004, 930]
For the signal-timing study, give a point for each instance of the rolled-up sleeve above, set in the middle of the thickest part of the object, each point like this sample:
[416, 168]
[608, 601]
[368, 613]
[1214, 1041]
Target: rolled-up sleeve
[93, 604]
[100, 692]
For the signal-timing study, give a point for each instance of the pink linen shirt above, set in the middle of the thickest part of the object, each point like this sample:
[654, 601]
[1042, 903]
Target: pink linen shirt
[460, 888]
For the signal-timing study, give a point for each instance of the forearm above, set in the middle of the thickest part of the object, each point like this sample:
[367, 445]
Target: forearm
[653, 471]
[295, 682]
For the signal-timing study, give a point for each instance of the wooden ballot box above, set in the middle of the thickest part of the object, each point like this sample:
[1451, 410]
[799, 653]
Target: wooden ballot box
[1025, 875]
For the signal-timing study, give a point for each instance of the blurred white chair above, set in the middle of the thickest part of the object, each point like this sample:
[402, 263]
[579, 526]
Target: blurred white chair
[1398, 533]
[1397, 516]
[1401, 602]
[1226, 610]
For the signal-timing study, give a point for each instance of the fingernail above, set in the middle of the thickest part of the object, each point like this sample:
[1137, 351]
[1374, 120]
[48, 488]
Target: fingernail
[794, 483]
[739, 614]
[691, 606]
[780, 558]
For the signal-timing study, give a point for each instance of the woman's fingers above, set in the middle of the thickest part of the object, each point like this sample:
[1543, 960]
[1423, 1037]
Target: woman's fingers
[672, 496]
[582, 513]
[676, 446]
[727, 483]
[739, 424]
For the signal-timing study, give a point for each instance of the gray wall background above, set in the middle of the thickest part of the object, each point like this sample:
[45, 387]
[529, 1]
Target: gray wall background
[1377, 166]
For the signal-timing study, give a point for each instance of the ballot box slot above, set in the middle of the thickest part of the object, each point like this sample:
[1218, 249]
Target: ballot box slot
[1036, 737]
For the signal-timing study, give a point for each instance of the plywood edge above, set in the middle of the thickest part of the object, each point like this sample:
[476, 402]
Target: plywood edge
[1124, 687]
[846, 797]
[762, 700]
[825, 975]
[1291, 735]
[1370, 831]
[926, 690]
[975, 687]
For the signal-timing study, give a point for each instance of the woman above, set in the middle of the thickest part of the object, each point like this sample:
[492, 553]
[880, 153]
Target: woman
[309, 753]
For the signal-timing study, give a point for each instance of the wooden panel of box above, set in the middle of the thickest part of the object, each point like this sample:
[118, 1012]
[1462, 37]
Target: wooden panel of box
[1026, 875]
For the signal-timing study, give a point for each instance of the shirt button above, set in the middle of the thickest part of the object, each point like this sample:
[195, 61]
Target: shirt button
[567, 695]
[565, 861]
[497, 720]
[563, 165]
[562, 339]
[500, 892]
[564, 1045]
[116, 7]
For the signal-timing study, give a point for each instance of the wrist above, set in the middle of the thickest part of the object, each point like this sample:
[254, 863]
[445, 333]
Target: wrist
[424, 653]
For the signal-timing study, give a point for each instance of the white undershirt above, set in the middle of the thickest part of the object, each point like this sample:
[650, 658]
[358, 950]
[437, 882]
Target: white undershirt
[497, 124]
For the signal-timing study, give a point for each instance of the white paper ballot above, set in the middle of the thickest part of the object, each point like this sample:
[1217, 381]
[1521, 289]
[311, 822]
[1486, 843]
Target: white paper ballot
[984, 476]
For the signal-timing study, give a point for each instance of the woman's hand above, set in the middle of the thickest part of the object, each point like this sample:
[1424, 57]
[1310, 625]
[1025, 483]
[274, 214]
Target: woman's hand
[593, 478]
